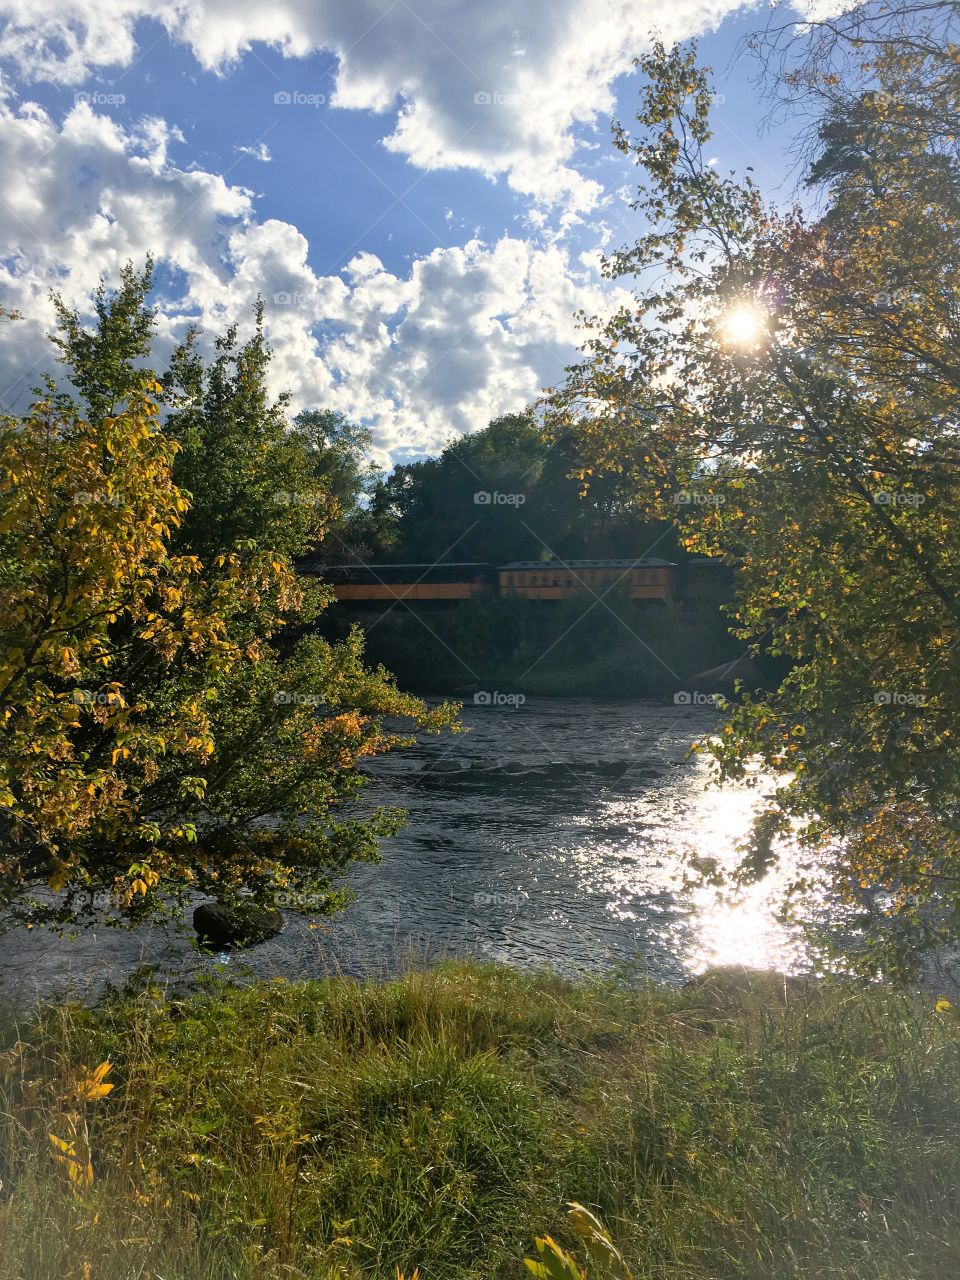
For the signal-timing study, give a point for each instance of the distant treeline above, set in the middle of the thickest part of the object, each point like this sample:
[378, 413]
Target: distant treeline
[507, 492]
[604, 646]
[511, 492]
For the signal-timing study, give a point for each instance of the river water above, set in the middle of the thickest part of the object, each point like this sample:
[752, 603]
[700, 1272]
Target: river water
[553, 834]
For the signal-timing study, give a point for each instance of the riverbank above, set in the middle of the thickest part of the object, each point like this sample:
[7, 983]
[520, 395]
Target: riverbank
[555, 834]
[342, 1129]
[606, 647]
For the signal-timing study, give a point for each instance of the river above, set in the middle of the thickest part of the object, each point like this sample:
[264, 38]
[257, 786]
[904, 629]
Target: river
[555, 834]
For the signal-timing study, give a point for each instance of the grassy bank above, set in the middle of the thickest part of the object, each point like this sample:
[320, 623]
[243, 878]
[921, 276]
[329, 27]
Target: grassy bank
[332, 1129]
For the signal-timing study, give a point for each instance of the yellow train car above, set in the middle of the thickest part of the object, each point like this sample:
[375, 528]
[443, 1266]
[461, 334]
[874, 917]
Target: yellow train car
[645, 579]
[420, 582]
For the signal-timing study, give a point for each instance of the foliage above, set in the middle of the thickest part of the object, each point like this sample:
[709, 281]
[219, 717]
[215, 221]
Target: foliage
[248, 479]
[729, 1131]
[788, 390]
[556, 1264]
[337, 452]
[435, 510]
[599, 644]
[505, 492]
[170, 724]
[74, 1152]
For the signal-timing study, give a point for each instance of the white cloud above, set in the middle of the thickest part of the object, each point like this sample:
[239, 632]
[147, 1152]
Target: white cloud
[259, 151]
[468, 333]
[465, 86]
[472, 333]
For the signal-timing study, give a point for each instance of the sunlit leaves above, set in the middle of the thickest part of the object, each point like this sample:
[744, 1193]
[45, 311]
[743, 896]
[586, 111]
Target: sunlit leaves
[77, 1165]
[73, 1152]
[831, 448]
[94, 1085]
[161, 730]
[596, 1240]
[553, 1263]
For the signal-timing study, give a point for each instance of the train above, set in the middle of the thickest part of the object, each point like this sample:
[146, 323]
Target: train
[645, 578]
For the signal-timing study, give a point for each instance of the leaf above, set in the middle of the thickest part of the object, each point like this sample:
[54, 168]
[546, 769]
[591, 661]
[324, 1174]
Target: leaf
[556, 1265]
[92, 1086]
[59, 878]
[80, 1173]
[597, 1241]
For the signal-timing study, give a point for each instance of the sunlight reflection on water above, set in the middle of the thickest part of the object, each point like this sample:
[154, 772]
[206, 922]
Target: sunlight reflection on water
[554, 836]
[747, 930]
[719, 925]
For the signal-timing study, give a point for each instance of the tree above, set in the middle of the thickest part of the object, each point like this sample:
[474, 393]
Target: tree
[507, 492]
[336, 450]
[248, 477]
[788, 392]
[163, 730]
[470, 503]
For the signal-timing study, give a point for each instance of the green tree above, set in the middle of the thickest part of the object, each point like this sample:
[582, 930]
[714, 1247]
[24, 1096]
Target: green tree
[447, 508]
[788, 392]
[337, 453]
[248, 478]
[510, 492]
[164, 730]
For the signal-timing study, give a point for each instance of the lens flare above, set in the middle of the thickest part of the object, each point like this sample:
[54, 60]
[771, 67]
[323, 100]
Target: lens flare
[743, 325]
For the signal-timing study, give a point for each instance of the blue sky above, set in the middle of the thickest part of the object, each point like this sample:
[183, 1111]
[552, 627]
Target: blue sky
[421, 250]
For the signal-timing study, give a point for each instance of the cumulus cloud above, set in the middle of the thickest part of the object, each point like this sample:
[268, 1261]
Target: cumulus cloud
[493, 87]
[78, 202]
[466, 332]
[469, 332]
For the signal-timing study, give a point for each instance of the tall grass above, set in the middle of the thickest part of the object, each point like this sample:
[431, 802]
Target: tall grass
[337, 1129]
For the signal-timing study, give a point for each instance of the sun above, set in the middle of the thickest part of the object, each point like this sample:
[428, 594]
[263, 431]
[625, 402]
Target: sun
[743, 325]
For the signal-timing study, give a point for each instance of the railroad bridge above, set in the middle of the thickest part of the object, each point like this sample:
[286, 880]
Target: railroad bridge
[646, 578]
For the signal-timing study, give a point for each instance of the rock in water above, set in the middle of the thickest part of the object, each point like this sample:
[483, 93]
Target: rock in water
[220, 926]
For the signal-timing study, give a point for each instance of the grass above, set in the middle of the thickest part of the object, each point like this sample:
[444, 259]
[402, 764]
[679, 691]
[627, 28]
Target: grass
[336, 1129]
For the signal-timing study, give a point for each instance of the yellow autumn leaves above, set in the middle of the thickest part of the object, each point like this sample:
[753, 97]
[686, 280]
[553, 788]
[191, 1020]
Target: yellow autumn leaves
[73, 1151]
[555, 1263]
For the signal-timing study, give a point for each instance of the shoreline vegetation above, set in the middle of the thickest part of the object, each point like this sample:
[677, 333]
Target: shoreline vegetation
[548, 651]
[744, 1126]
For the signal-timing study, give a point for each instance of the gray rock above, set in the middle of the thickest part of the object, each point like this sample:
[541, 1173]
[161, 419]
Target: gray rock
[219, 925]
